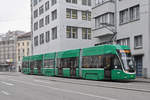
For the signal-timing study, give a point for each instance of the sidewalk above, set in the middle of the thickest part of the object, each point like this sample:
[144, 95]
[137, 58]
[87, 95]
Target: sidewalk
[145, 80]
[10, 73]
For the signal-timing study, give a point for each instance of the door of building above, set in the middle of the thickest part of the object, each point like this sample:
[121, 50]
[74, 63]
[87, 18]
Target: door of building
[139, 65]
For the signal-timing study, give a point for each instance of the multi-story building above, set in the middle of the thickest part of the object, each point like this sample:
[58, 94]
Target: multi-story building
[60, 25]
[131, 20]
[23, 48]
[8, 48]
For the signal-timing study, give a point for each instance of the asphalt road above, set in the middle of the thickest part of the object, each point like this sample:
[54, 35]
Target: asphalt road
[16, 86]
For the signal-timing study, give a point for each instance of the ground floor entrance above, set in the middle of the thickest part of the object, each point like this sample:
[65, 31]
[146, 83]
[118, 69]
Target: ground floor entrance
[139, 65]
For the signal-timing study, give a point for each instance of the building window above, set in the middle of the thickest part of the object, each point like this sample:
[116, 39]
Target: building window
[97, 2]
[35, 2]
[18, 52]
[68, 13]
[27, 43]
[86, 2]
[23, 51]
[42, 38]
[86, 15]
[86, 33]
[18, 58]
[124, 16]
[41, 10]
[105, 19]
[74, 14]
[69, 1]
[41, 23]
[35, 26]
[54, 33]
[46, 5]
[138, 42]
[18, 44]
[72, 32]
[54, 14]
[28, 52]
[130, 14]
[47, 20]
[36, 13]
[36, 41]
[125, 41]
[53, 2]
[72, 1]
[47, 37]
[71, 13]
[134, 13]
[22, 43]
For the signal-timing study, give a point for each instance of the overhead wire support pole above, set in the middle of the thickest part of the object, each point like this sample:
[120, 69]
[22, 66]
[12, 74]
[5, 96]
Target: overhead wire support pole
[113, 28]
[115, 22]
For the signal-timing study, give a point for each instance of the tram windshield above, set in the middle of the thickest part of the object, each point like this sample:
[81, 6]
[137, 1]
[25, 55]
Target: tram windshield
[127, 60]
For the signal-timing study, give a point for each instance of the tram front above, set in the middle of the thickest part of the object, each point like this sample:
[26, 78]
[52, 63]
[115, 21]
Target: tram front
[128, 65]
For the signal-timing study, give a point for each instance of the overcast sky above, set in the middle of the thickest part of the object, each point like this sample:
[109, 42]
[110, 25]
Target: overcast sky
[14, 15]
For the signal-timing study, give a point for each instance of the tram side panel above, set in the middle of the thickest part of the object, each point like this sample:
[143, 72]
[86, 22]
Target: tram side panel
[68, 63]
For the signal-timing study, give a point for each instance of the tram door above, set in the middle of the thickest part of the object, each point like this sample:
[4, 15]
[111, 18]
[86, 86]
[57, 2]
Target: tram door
[39, 66]
[32, 67]
[60, 67]
[107, 67]
[73, 67]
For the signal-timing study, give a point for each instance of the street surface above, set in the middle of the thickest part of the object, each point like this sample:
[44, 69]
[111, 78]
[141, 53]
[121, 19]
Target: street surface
[17, 86]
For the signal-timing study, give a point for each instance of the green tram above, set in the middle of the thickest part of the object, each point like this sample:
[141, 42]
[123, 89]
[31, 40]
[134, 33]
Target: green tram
[104, 62]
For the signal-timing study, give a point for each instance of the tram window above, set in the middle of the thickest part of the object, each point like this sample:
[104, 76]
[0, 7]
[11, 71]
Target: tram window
[58, 63]
[34, 64]
[31, 64]
[25, 64]
[67, 62]
[108, 61]
[92, 61]
[85, 62]
[73, 62]
[100, 62]
[117, 64]
[46, 63]
[39, 63]
[49, 63]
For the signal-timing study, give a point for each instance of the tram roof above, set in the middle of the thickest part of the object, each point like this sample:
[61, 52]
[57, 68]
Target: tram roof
[103, 49]
[49, 55]
[69, 53]
[36, 57]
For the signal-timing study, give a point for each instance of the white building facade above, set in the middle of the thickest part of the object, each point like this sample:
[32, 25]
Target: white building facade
[131, 20]
[23, 48]
[59, 25]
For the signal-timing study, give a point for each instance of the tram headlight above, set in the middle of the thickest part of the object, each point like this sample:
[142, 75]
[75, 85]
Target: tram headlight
[126, 71]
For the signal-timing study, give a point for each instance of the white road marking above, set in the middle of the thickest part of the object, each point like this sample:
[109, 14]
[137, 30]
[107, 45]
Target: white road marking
[42, 81]
[10, 84]
[68, 91]
[6, 93]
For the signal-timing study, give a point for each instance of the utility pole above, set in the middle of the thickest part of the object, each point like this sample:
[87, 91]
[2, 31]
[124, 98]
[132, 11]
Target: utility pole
[114, 28]
[115, 22]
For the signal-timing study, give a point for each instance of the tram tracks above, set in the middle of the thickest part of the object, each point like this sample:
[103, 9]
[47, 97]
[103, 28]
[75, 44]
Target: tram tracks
[123, 85]
[126, 87]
